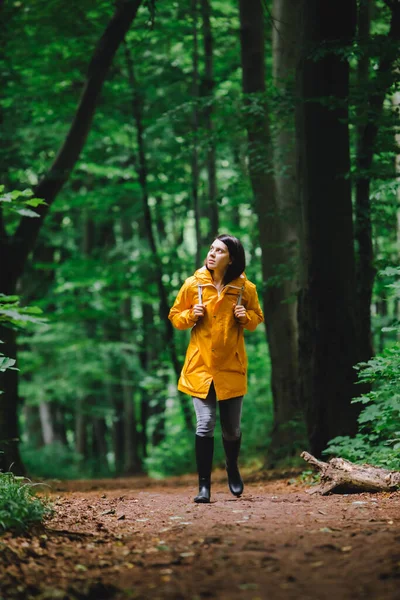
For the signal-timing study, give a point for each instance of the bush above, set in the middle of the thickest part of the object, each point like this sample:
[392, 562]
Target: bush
[378, 438]
[18, 507]
[53, 461]
[174, 456]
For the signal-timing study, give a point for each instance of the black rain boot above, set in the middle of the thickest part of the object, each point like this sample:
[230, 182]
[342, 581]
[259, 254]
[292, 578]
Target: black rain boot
[204, 457]
[235, 482]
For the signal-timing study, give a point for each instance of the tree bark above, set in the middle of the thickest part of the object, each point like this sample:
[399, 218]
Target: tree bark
[279, 314]
[132, 462]
[46, 420]
[16, 250]
[342, 476]
[81, 437]
[9, 432]
[99, 444]
[115, 400]
[327, 319]
[288, 428]
[208, 85]
[195, 132]
[145, 355]
[33, 426]
[369, 116]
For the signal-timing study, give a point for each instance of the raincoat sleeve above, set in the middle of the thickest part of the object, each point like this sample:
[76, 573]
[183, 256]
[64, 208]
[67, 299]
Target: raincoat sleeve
[253, 310]
[181, 314]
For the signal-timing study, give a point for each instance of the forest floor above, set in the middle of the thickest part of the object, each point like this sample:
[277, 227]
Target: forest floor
[141, 538]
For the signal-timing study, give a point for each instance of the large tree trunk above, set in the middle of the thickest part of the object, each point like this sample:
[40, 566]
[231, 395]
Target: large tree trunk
[16, 250]
[327, 319]
[279, 315]
[369, 116]
[288, 417]
[9, 432]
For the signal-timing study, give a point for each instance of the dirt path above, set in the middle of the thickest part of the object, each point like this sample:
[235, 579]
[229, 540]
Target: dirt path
[134, 538]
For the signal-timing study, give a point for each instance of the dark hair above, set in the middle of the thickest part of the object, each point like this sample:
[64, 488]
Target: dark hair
[236, 253]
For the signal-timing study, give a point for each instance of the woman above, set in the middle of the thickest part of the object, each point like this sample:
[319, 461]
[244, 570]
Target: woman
[218, 302]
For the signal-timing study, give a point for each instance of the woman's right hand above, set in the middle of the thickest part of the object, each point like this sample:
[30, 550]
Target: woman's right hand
[198, 311]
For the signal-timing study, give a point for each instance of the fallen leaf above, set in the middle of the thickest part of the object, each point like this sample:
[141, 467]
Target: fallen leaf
[248, 586]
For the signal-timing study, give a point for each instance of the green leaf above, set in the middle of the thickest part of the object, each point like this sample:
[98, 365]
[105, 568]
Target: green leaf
[25, 212]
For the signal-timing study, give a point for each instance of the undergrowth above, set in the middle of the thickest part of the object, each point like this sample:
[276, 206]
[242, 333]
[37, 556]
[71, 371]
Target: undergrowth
[19, 508]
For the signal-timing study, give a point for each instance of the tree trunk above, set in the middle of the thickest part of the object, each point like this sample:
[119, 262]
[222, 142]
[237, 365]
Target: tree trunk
[9, 432]
[279, 315]
[208, 91]
[82, 426]
[147, 350]
[195, 132]
[46, 420]
[16, 250]
[33, 426]
[99, 444]
[327, 319]
[60, 425]
[81, 438]
[342, 476]
[288, 428]
[365, 272]
[369, 116]
[132, 462]
[137, 106]
[115, 400]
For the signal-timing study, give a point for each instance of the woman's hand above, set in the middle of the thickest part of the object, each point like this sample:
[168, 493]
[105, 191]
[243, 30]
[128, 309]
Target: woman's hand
[198, 311]
[240, 313]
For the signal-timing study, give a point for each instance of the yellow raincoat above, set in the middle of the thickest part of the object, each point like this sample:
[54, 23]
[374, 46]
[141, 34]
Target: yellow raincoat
[216, 352]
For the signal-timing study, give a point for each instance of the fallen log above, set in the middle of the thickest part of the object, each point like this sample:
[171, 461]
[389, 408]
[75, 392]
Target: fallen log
[343, 477]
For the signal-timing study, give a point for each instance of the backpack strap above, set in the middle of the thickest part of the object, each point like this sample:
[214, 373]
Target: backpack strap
[239, 300]
[200, 293]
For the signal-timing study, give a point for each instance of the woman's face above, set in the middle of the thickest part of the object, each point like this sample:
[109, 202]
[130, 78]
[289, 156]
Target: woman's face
[218, 257]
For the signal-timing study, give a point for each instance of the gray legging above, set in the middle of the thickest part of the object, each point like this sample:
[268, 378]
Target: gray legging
[230, 413]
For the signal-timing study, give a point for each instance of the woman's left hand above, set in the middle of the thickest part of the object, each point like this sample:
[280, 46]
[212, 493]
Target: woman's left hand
[240, 313]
